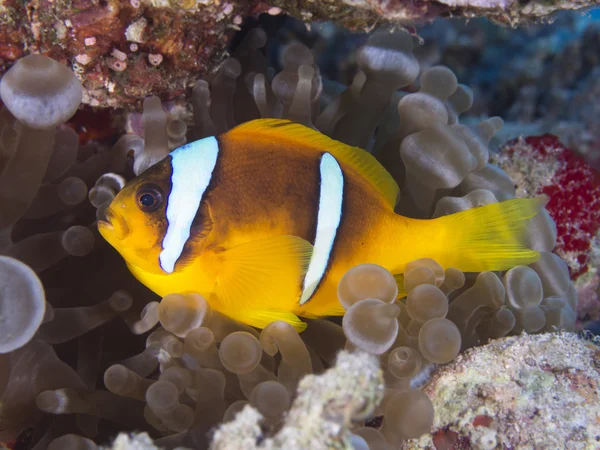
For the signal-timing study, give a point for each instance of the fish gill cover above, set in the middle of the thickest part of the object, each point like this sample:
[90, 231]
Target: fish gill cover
[87, 351]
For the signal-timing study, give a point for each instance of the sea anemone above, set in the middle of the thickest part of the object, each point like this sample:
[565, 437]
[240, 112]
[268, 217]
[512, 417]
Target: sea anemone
[94, 352]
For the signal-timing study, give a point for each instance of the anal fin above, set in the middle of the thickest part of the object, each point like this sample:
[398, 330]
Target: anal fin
[262, 318]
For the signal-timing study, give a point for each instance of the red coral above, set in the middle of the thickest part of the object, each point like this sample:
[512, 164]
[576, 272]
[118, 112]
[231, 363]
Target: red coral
[574, 190]
[574, 201]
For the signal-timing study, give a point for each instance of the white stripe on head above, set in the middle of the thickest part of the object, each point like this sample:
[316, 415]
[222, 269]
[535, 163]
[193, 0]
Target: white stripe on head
[192, 167]
[328, 221]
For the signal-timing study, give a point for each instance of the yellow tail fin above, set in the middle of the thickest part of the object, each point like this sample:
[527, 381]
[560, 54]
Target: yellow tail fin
[490, 237]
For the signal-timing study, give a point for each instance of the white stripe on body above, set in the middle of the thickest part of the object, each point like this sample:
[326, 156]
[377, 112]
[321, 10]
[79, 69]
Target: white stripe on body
[192, 168]
[328, 220]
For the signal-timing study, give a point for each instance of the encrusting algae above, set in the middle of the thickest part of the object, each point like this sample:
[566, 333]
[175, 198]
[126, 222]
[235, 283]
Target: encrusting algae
[178, 367]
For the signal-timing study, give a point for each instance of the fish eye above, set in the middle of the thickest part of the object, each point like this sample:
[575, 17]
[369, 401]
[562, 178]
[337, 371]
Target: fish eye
[149, 198]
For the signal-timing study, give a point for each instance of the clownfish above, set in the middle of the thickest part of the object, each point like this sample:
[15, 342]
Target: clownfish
[265, 219]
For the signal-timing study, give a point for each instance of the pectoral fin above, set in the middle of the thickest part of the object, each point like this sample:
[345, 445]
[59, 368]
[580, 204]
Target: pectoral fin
[259, 281]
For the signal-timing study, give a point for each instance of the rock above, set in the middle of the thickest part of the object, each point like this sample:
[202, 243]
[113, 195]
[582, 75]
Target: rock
[123, 51]
[366, 13]
[126, 50]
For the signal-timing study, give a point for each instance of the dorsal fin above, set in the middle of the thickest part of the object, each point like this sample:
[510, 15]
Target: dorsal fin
[358, 159]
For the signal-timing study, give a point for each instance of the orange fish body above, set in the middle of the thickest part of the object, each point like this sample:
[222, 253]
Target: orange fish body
[270, 215]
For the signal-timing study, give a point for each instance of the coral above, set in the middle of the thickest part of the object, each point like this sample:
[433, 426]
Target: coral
[542, 165]
[537, 391]
[133, 442]
[588, 306]
[477, 399]
[324, 408]
[321, 414]
[86, 34]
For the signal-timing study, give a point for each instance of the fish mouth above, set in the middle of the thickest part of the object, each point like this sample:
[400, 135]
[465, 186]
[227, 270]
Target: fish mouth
[109, 224]
[103, 216]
